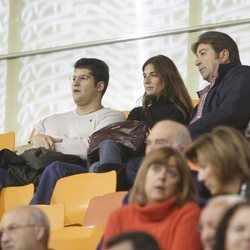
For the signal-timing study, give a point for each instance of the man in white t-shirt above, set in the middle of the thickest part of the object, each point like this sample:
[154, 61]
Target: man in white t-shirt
[69, 132]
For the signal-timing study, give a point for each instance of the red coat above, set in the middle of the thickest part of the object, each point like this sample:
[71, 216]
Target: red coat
[174, 227]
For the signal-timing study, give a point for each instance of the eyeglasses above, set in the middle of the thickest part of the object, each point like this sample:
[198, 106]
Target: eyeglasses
[13, 228]
[80, 78]
[171, 170]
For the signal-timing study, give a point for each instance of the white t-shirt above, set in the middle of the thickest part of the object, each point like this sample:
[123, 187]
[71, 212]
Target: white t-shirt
[75, 129]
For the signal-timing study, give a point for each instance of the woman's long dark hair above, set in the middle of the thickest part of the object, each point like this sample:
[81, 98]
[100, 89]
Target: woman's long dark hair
[174, 88]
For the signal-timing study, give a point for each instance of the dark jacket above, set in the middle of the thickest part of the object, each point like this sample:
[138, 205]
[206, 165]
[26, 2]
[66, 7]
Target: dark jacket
[28, 167]
[159, 110]
[228, 101]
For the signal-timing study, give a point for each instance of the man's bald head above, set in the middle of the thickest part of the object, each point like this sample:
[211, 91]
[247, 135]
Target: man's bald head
[211, 216]
[24, 227]
[168, 133]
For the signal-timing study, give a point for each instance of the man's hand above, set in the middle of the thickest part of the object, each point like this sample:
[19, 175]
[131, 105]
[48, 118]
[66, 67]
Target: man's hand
[19, 150]
[44, 141]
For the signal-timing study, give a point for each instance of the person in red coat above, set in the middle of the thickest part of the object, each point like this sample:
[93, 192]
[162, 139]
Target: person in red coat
[162, 203]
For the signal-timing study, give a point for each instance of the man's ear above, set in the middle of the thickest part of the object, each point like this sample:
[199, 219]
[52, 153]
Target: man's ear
[100, 86]
[39, 231]
[224, 56]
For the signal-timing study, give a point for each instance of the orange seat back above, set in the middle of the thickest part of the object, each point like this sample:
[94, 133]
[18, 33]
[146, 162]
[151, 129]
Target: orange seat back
[108, 203]
[76, 191]
[7, 140]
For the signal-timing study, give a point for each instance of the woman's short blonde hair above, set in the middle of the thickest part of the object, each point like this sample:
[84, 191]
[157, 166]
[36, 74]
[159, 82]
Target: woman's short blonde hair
[227, 151]
[186, 188]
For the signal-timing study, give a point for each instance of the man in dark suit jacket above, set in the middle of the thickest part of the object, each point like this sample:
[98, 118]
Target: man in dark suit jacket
[226, 100]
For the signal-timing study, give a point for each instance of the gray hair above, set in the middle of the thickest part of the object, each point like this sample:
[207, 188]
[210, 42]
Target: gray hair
[36, 217]
[39, 217]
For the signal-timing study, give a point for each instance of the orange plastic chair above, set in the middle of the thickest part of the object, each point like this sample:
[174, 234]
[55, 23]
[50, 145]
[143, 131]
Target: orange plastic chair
[77, 238]
[195, 102]
[55, 214]
[7, 140]
[76, 191]
[126, 113]
[100, 207]
[14, 196]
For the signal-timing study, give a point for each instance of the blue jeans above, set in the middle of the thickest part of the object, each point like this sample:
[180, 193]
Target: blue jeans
[131, 169]
[2, 178]
[52, 173]
[110, 152]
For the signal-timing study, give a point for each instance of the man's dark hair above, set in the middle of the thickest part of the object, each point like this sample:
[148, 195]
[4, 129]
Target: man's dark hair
[219, 41]
[139, 240]
[99, 69]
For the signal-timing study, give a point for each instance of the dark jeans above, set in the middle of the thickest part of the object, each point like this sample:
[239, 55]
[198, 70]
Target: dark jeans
[131, 169]
[2, 178]
[52, 173]
[110, 152]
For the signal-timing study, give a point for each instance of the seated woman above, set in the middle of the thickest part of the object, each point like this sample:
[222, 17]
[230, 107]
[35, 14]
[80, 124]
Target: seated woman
[165, 97]
[224, 160]
[162, 203]
[233, 232]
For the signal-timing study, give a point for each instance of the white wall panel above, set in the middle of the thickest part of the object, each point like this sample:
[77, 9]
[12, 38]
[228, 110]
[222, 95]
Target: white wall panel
[122, 33]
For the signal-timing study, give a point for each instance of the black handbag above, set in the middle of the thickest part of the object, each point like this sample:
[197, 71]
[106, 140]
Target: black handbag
[130, 134]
